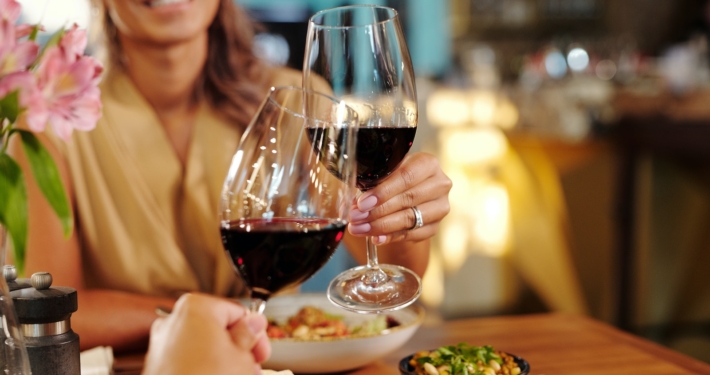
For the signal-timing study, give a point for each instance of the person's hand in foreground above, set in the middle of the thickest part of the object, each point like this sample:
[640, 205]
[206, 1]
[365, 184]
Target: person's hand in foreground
[207, 335]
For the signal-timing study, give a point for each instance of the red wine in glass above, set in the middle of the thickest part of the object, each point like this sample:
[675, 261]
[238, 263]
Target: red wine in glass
[379, 151]
[282, 213]
[274, 254]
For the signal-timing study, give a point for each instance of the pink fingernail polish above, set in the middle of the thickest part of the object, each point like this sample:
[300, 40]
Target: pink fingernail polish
[357, 215]
[360, 229]
[368, 203]
[379, 240]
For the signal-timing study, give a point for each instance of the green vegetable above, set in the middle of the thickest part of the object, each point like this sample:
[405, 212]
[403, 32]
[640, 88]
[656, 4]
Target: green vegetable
[371, 327]
[461, 358]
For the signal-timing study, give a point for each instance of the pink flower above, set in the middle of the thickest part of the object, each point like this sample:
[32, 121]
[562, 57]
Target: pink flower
[24, 30]
[74, 42]
[29, 96]
[68, 81]
[10, 10]
[14, 56]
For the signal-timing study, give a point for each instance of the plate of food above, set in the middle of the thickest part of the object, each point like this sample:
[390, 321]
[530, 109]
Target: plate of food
[463, 359]
[309, 334]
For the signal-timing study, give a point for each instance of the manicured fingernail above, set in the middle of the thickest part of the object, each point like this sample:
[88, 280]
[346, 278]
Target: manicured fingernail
[366, 204]
[379, 240]
[360, 229]
[357, 215]
[255, 323]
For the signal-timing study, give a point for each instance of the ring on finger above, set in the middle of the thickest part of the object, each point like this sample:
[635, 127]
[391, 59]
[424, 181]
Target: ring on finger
[418, 221]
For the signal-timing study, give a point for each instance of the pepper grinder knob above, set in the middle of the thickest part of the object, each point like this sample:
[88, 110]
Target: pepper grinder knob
[41, 280]
[9, 272]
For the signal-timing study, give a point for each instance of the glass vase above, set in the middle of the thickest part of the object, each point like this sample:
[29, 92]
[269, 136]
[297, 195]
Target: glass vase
[13, 352]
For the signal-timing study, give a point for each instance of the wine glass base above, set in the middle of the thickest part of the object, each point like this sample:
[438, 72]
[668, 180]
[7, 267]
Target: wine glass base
[351, 291]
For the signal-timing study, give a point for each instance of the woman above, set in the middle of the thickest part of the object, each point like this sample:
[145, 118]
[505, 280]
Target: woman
[181, 84]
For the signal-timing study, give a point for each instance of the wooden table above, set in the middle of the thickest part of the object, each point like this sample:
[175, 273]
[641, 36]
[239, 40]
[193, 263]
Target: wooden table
[553, 344]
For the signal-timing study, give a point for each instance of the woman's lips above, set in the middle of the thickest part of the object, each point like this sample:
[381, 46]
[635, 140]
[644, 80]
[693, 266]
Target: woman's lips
[159, 3]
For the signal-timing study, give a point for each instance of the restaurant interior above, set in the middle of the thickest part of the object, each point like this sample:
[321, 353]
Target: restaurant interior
[574, 132]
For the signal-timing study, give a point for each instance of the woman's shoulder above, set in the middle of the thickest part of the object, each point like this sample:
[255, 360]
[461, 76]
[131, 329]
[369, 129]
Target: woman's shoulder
[285, 76]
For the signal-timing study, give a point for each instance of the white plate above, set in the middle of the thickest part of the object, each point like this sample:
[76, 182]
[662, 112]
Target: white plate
[337, 353]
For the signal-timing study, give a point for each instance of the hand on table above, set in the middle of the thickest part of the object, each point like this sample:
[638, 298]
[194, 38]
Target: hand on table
[207, 335]
[385, 211]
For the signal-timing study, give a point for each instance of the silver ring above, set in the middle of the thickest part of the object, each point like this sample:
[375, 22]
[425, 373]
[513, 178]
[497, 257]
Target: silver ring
[418, 221]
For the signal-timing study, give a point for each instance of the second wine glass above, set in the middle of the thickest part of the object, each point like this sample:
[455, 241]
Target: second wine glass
[360, 54]
[283, 209]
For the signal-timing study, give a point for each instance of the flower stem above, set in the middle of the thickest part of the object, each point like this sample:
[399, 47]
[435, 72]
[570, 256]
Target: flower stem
[5, 133]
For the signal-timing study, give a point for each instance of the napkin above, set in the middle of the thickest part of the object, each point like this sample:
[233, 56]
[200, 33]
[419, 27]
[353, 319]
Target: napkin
[97, 361]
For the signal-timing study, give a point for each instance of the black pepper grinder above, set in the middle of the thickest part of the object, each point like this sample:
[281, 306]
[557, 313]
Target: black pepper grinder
[44, 314]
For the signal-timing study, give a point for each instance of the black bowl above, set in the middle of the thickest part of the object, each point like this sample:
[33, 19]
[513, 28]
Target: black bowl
[406, 369]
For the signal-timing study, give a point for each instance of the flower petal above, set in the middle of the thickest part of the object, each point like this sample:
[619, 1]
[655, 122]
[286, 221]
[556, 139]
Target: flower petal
[74, 41]
[10, 10]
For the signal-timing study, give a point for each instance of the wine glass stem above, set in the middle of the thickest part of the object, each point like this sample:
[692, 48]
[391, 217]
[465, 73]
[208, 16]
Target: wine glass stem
[374, 275]
[257, 305]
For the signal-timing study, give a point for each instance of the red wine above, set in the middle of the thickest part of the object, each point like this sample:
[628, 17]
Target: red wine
[379, 151]
[271, 255]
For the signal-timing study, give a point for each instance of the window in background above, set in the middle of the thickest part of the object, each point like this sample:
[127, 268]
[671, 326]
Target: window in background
[54, 15]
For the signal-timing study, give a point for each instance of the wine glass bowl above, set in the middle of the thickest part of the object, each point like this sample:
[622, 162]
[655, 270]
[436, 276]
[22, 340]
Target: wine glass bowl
[283, 212]
[359, 54]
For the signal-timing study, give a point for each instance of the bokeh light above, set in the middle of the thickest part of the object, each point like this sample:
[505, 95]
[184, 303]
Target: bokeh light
[578, 59]
[555, 64]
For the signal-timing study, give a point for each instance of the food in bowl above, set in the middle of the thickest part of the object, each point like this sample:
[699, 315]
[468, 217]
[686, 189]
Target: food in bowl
[464, 359]
[313, 323]
[329, 355]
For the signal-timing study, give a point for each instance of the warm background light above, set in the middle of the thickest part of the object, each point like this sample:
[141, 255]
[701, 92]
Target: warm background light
[491, 211]
[474, 145]
[455, 242]
[433, 280]
[448, 107]
[483, 107]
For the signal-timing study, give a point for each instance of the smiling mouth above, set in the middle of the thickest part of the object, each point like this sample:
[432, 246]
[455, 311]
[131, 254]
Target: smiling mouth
[160, 3]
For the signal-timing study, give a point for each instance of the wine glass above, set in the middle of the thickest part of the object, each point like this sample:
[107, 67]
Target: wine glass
[359, 53]
[283, 211]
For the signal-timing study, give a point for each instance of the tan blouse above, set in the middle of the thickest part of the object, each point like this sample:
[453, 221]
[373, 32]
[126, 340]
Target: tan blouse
[145, 224]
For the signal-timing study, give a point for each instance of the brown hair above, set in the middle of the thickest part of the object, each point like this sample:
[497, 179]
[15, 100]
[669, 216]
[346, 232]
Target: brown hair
[233, 78]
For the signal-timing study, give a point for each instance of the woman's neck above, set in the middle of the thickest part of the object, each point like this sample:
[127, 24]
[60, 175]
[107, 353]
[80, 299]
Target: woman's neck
[166, 75]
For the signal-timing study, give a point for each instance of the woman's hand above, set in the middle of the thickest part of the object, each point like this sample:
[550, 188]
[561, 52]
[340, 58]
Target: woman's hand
[385, 212]
[207, 335]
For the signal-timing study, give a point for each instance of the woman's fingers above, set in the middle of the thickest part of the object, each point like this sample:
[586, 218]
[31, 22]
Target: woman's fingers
[385, 212]
[415, 169]
[400, 225]
[432, 189]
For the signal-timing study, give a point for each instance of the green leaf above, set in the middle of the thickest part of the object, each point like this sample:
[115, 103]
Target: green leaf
[10, 106]
[47, 176]
[54, 39]
[34, 33]
[51, 42]
[13, 207]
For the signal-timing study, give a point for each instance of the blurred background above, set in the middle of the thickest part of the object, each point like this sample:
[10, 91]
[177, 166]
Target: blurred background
[577, 135]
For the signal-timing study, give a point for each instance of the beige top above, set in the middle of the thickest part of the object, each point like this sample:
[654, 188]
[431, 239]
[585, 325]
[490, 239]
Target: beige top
[146, 225]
